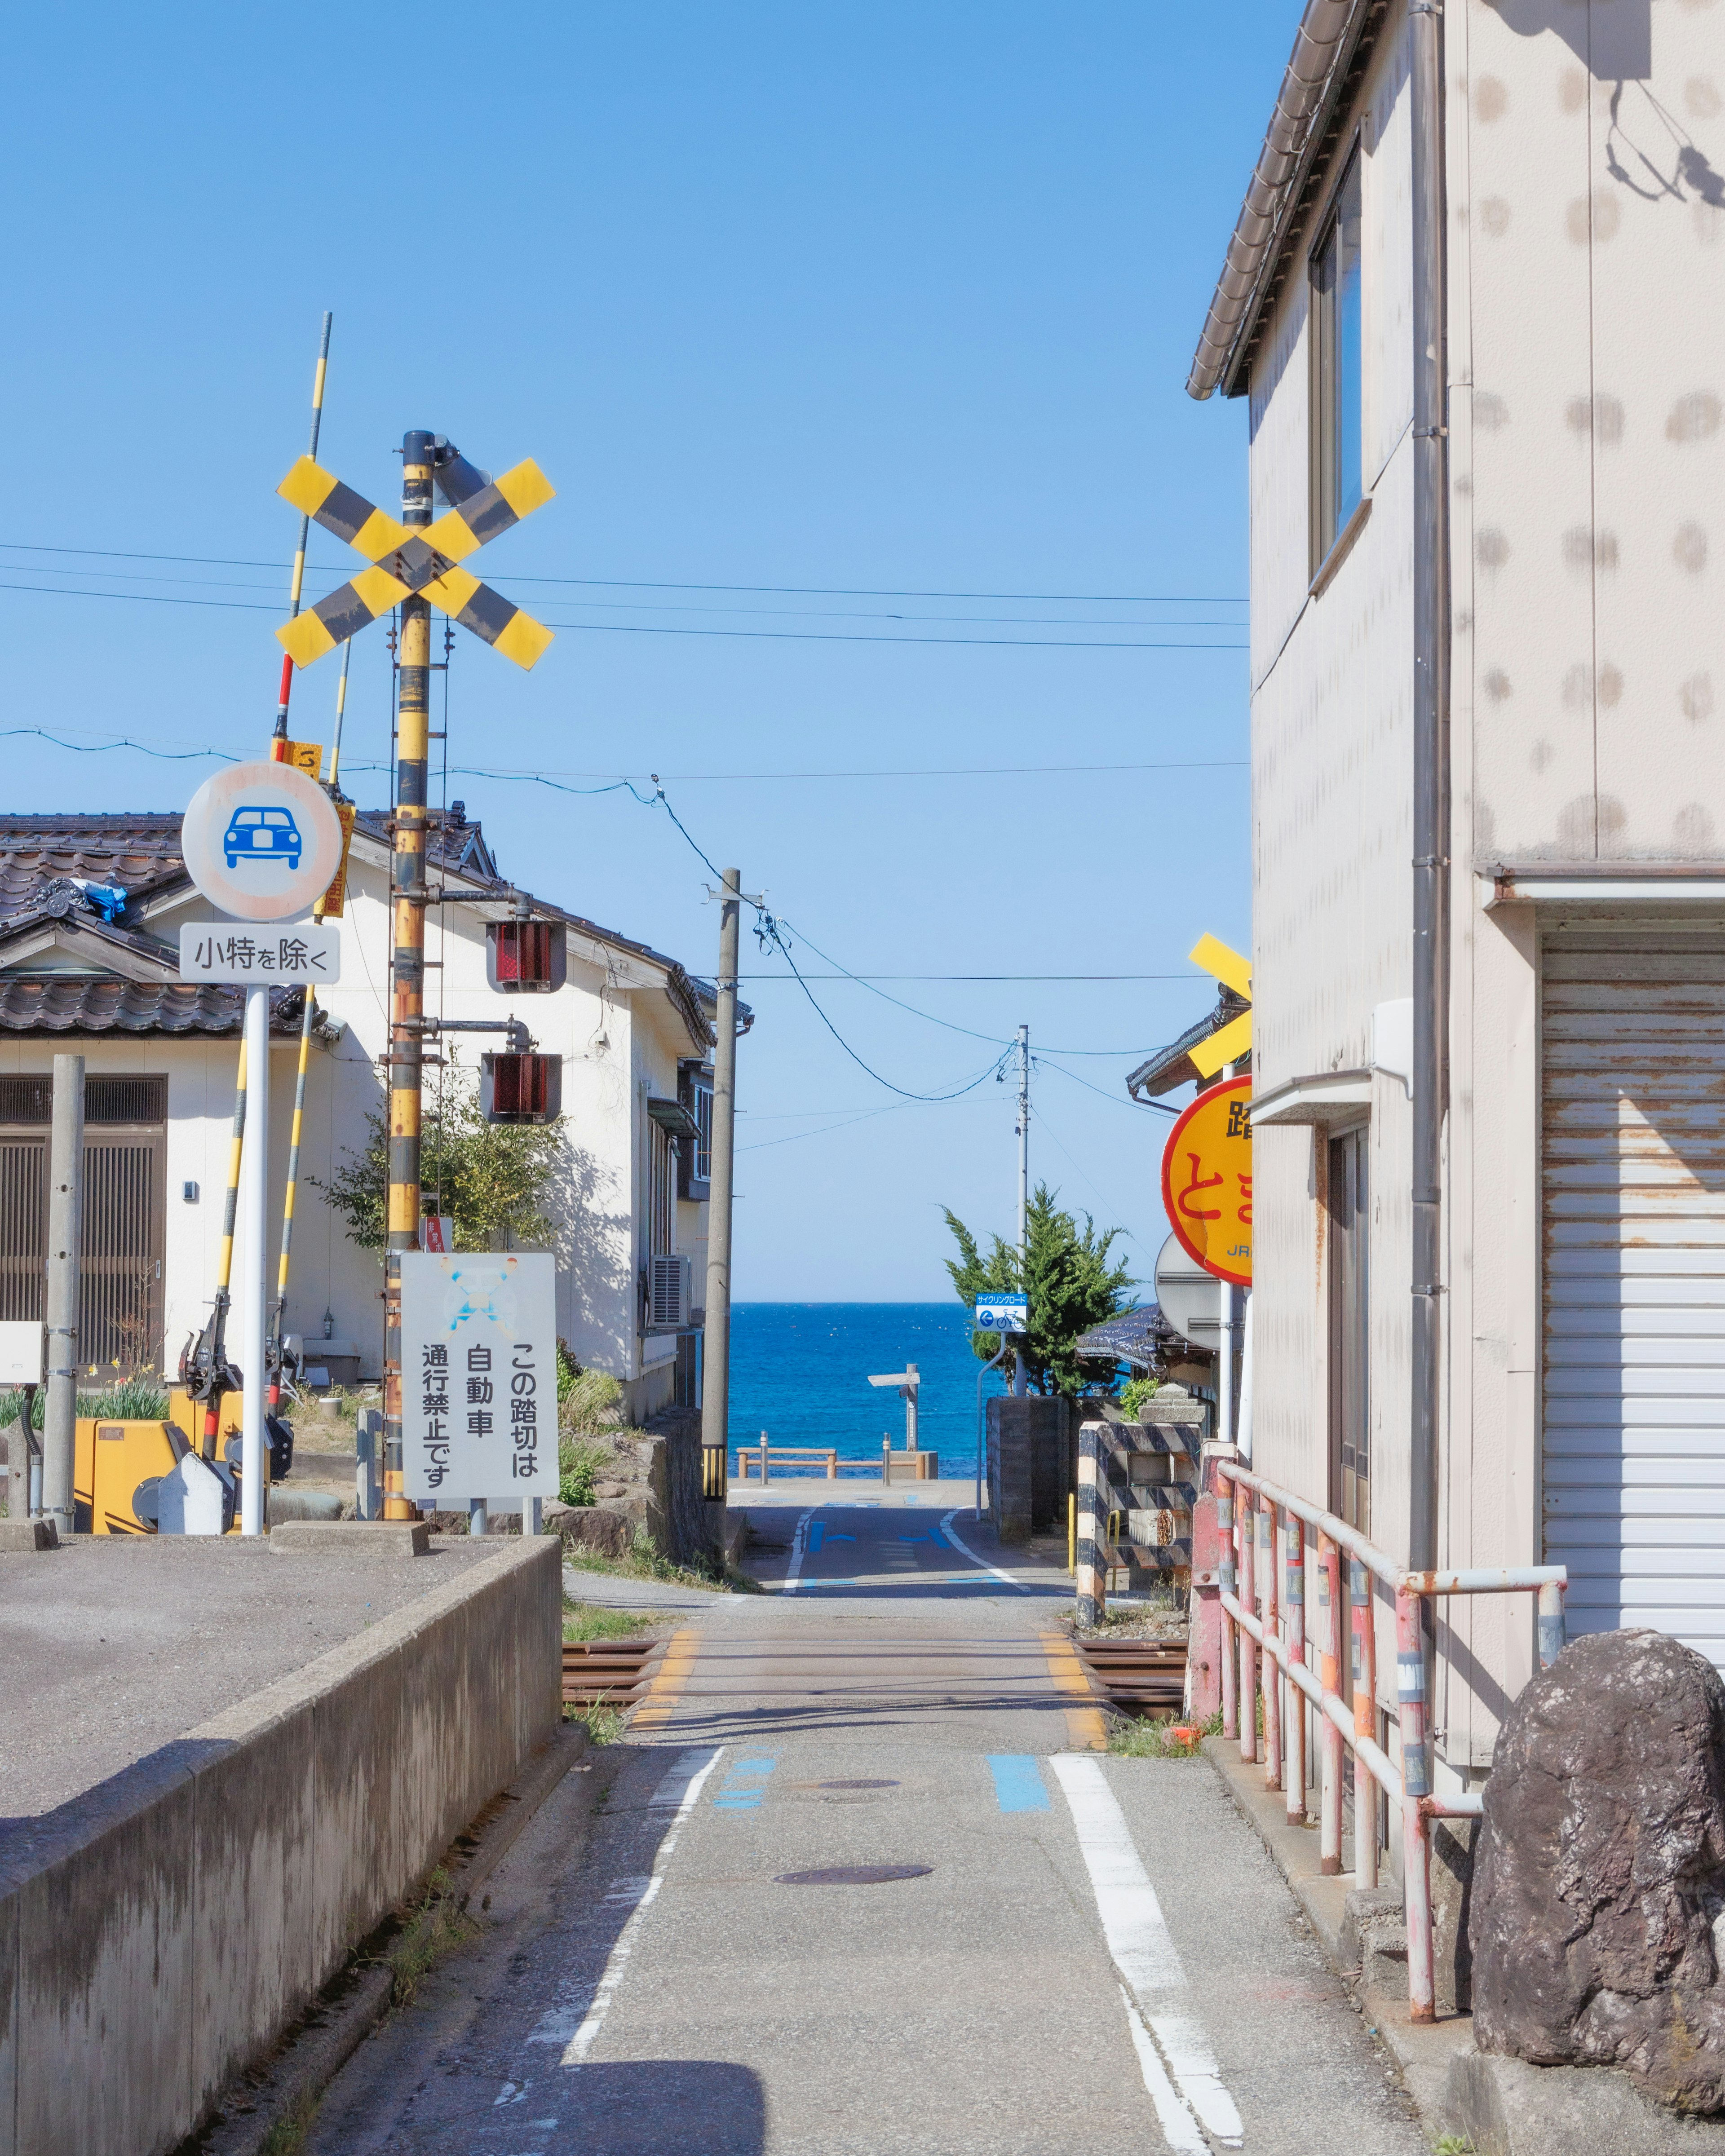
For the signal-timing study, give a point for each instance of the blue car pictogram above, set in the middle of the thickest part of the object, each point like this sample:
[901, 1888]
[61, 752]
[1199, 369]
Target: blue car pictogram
[262, 835]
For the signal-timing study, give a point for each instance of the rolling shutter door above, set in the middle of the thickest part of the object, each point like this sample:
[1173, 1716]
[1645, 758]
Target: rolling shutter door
[1633, 1200]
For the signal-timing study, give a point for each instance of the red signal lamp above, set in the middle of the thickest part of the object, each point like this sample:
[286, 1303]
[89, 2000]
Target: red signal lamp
[526, 957]
[520, 1088]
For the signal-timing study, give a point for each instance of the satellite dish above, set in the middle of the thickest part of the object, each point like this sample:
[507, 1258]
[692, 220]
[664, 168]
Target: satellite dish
[1189, 1297]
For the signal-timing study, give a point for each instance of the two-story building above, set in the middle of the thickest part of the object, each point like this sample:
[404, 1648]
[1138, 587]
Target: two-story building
[81, 971]
[1476, 299]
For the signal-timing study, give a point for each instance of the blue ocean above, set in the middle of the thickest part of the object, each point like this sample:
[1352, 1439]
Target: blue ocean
[800, 1371]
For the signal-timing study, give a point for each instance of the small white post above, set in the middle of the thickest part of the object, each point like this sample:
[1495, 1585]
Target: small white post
[254, 1187]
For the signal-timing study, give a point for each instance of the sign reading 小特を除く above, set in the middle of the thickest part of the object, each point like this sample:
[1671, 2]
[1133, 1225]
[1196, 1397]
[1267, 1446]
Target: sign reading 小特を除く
[1207, 1180]
[479, 1376]
[218, 951]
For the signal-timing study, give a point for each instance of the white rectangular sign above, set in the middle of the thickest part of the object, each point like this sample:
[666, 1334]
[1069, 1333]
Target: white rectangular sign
[479, 1376]
[302, 950]
[21, 1352]
[1003, 1313]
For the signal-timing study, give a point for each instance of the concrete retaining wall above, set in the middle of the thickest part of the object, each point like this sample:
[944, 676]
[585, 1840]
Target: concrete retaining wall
[159, 1931]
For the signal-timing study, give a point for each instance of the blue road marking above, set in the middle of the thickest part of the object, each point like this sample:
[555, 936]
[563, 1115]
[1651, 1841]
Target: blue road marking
[1019, 1785]
[738, 1794]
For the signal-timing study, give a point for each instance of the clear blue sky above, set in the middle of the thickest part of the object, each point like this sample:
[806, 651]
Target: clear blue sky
[881, 299]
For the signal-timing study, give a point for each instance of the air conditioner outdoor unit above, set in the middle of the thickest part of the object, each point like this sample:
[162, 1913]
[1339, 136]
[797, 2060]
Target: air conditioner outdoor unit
[669, 1292]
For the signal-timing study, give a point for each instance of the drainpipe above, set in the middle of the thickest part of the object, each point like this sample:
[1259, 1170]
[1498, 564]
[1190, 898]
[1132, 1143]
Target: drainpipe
[1431, 744]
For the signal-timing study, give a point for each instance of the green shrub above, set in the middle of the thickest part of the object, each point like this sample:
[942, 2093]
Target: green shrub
[579, 1460]
[1135, 1392]
[138, 1399]
[584, 1404]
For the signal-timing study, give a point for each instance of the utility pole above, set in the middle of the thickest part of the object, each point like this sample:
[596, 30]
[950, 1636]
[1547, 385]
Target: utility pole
[1019, 1376]
[406, 1049]
[715, 1349]
[65, 1226]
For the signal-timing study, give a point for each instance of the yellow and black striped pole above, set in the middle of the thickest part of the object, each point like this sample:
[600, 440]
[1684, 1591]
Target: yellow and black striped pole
[277, 750]
[413, 747]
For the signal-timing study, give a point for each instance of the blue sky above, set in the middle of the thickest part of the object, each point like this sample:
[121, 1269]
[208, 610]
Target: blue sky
[882, 300]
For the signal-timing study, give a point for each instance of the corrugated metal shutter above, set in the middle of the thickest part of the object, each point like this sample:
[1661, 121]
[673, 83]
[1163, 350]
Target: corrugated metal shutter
[1634, 1220]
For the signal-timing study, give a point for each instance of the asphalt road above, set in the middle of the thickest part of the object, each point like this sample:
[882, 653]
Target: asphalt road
[1066, 1951]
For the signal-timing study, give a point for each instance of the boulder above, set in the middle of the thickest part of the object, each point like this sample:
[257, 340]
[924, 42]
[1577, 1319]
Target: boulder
[595, 1527]
[1599, 1872]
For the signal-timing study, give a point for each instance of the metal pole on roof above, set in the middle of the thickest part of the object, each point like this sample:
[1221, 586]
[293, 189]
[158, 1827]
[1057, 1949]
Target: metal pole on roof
[65, 1228]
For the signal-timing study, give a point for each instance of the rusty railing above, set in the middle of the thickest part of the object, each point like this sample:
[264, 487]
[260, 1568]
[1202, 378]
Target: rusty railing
[1264, 1548]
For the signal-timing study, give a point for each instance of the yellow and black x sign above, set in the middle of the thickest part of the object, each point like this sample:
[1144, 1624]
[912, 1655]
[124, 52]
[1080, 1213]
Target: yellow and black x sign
[406, 561]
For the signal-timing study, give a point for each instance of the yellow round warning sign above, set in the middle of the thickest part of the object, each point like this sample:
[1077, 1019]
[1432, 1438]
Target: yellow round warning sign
[1207, 1181]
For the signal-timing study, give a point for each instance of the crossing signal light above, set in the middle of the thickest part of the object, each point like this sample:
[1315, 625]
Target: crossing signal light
[515, 1088]
[526, 957]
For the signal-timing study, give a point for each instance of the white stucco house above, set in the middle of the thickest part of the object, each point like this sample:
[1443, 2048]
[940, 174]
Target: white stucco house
[634, 1030]
[1475, 301]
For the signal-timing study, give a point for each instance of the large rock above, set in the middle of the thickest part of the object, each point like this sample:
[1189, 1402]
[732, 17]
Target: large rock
[1600, 1870]
[594, 1527]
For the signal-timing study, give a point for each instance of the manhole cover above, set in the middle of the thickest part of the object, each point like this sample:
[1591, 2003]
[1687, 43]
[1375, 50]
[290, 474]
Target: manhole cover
[853, 1875]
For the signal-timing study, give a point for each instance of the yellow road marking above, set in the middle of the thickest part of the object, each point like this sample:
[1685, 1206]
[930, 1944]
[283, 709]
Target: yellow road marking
[1086, 1731]
[675, 1670]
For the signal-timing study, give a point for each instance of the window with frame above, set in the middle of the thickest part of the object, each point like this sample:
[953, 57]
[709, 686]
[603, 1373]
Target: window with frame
[1350, 1386]
[694, 1155]
[661, 1193]
[1337, 412]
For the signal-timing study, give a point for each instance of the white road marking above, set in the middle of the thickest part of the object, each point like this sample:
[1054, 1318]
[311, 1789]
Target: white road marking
[1143, 1949]
[799, 1546]
[1180, 2128]
[576, 2019]
[965, 1550]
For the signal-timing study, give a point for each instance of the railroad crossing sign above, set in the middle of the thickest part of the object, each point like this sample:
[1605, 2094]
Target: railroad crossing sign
[1207, 1180]
[1234, 1040]
[405, 561]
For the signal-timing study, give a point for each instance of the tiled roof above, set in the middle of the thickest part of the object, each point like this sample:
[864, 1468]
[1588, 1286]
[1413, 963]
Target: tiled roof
[76, 1004]
[1173, 1066]
[141, 851]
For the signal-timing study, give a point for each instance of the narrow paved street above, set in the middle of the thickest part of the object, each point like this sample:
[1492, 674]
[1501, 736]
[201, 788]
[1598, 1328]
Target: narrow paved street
[860, 1880]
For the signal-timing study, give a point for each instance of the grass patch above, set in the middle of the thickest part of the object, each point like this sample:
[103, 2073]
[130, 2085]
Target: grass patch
[434, 1930]
[644, 1562]
[1454, 2144]
[579, 1460]
[585, 1620]
[287, 2136]
[137, 1399]
[605, 1724]
[1150, 1740]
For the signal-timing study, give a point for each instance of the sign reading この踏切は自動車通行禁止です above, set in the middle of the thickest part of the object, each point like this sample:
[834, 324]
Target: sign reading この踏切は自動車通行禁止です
[479, 1376]
[261, 841]
[217, 951]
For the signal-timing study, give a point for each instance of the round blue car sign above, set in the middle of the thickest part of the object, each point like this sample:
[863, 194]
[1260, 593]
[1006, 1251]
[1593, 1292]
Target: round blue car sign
[261, 841]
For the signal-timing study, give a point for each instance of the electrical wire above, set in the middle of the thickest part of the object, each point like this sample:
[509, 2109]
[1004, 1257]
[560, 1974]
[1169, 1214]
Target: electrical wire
[1162, 1107]
[651, 584]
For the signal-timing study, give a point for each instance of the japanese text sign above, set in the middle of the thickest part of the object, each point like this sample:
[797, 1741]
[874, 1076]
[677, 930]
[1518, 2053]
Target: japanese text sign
[479, 1376]
[1002, 1313]
[217, 951]
[1207, 1181]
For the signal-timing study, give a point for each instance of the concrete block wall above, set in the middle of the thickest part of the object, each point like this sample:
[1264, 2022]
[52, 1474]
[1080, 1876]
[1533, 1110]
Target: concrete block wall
[160, 1931]
[1028, 1464]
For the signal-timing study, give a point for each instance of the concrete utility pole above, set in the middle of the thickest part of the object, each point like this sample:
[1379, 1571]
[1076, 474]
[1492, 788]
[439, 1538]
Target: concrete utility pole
[1019, 1374]
[406, 1048]
[716, 1350]
[65, 1228]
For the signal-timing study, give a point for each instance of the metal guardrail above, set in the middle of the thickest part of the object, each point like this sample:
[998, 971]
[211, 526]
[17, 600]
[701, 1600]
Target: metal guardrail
[1265, 1545]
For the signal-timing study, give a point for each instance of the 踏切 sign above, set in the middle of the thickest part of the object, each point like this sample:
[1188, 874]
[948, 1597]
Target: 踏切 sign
[479, 1376]
[1003, 1313]
[217, 951]
[262, 841]
[1207, 1180]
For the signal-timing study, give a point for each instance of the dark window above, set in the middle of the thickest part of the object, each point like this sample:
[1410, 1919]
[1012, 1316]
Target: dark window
[661, 1230]
[1337, 481]
[1350, 1317]
[695, 1171]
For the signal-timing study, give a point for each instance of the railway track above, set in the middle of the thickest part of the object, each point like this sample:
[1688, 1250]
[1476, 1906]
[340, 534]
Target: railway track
[609, 1672]
[1137, 1676]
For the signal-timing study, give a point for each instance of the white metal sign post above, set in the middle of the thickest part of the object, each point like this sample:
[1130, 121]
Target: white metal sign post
[262, 843]
[479, 1378]
[1009, 1316]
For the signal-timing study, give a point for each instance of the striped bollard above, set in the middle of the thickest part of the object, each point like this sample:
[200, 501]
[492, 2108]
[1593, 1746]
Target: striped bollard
[1416, 1782]
[1365, 1723]
[1329, 1618]
[1271, 1679]
[1294, 1606]
[1091, 1578]
[1228, 1576]
[1248, 1645]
